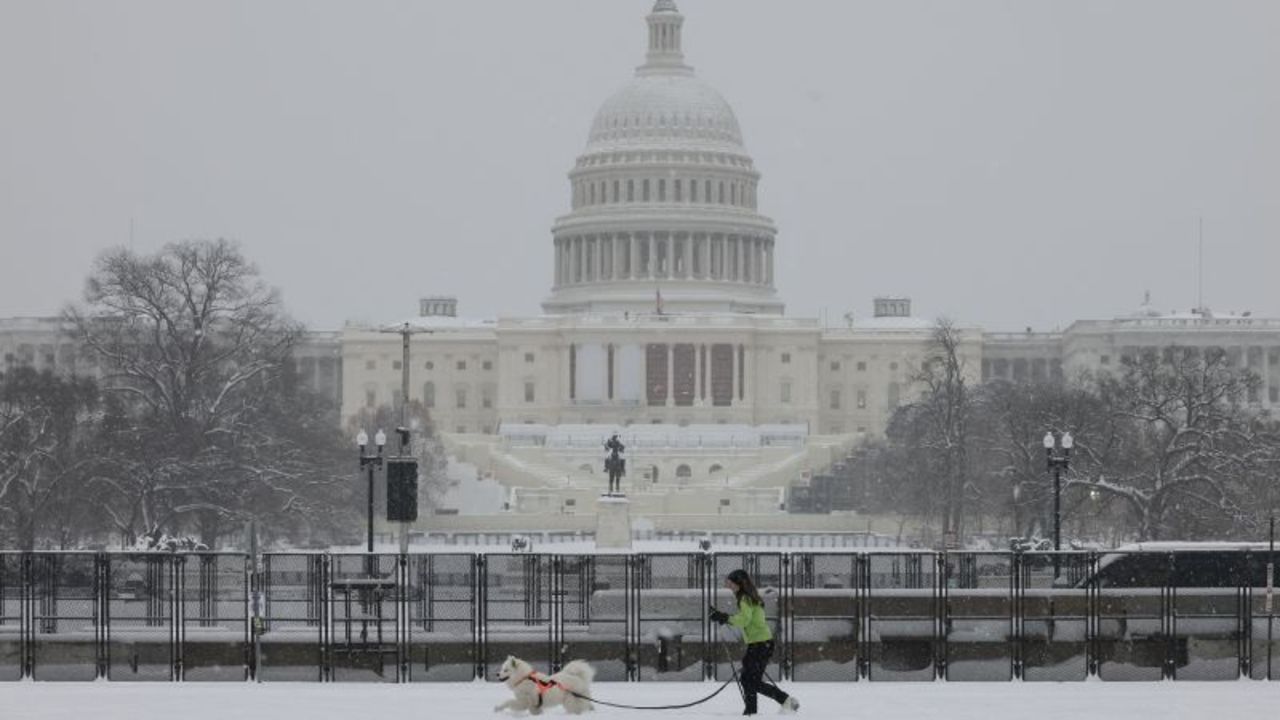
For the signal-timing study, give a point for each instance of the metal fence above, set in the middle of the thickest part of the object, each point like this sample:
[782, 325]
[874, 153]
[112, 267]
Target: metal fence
[836, 616]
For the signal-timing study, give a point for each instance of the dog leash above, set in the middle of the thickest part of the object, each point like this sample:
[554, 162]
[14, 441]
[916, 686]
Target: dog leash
[733, 679]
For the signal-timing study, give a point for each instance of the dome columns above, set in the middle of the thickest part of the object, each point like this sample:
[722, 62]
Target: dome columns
[664, 255]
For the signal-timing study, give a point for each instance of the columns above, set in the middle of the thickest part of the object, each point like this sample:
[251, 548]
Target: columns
[651, 268]
[688, 256]
[769, 262]
[634, 245]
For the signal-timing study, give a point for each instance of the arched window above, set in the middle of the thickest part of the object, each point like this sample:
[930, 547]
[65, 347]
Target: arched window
[715, 469]
[684, 473]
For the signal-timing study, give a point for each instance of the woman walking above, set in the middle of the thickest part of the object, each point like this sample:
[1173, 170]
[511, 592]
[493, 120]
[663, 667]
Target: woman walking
[755, 632]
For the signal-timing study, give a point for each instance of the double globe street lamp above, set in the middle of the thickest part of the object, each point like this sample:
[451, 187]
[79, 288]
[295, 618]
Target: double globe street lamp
[1057, 462]
[371, 462]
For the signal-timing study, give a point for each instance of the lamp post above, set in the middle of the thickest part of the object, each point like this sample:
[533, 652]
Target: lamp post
[371, 462]
[1057, 462]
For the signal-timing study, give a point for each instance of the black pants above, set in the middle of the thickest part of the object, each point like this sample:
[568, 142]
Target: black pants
[754, 662]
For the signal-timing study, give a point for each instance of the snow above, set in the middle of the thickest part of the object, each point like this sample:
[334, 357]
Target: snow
[474, 701]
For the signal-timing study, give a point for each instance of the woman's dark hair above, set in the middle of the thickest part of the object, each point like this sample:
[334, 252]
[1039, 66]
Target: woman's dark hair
[746, 588]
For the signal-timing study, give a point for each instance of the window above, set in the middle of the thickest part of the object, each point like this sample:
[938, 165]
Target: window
[487, 365]
[835, 366]
[370, 364]
[835, 399]
[862, 399]
[786, 358]
[645, 192]
[486, 400]
[893, 366]
[462, 398]
[429, 394]
[662, 191]
[462, 364]
[395, 365]
[785, 392]
[462, 429]
[528, 392]
[528, 357]
[862, 366]
[893, 396]
[429, 365]
[631, 191]
[370, 398]
[1105, 359]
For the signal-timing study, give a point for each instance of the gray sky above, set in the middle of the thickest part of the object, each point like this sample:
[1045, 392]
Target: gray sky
[1007, 163]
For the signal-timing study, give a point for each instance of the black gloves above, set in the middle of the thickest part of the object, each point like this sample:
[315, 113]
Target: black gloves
[718, 617]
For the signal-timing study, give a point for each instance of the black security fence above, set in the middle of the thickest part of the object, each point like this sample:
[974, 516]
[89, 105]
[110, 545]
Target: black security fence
[836, 616]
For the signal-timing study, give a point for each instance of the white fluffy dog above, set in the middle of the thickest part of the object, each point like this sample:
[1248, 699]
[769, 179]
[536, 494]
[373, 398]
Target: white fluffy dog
[535, 692]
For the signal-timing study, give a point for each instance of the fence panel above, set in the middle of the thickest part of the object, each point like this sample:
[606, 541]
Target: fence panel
[1055, 616]
[1133, 625]
[140, 630]
[294, 637]
[66, 633]
[903, 604]
[441, 637]
[767, 570]
[13, 616]
[825, 607]
[364, 614]
[1208, 629]
[594, 596]
[216, 644]
[518, 611]
[670, 597]
[978, 639]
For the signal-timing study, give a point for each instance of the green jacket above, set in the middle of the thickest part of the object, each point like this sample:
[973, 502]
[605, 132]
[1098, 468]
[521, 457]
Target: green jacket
[751, 621]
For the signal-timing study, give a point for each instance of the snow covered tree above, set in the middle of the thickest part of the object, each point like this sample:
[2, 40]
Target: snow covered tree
[45, 429]
[205, 430]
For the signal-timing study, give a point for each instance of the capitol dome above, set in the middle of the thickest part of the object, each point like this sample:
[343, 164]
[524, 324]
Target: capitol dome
[664, 199]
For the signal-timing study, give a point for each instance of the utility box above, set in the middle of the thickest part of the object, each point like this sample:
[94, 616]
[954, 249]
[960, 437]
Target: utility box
[402, 490]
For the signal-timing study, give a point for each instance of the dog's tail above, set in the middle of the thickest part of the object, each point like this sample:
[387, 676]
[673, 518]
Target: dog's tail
[579, 669]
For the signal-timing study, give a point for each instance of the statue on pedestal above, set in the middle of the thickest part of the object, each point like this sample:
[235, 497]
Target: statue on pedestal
[614, 464]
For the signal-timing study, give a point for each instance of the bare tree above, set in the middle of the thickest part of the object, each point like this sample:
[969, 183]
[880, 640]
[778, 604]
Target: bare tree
[945, 406]
[45, 426]
[195, 348]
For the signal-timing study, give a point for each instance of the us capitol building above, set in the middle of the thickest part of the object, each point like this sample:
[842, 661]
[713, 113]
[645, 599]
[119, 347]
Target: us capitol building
[663, 324]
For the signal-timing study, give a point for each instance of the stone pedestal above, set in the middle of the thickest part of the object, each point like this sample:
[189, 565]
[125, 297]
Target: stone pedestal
[613, 522]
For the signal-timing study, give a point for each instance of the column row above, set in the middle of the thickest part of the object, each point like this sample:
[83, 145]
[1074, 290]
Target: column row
[664, 255]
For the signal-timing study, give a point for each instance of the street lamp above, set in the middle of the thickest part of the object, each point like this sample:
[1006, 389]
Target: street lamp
[1057, 462]
[371, 462]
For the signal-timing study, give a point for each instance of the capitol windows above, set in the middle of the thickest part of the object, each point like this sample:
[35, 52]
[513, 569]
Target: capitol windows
[644, 191]
[893, 395]
[679, 191]
[733, 194]
[786, 358]
[528, 392]
[615, 191]
[591, 195]
[662, 190]
[784, 393]
[1105, 360]
[862, 399]
[706, 195]
[528, 358]
[395, 365]
[631, 191]
[486, 399]
[862, 366]
[835, 399]
[835, 366]
[429, 395]
[370, 398]
[487, 365]
[722, 192]
[370, 364]
[693, 191]
[460, 395]
[462, 365]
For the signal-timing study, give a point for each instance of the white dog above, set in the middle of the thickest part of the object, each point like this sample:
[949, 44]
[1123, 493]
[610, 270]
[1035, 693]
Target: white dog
[536, 692]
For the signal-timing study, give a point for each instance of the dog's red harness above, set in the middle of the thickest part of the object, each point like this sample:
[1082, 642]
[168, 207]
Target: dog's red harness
[543, 685]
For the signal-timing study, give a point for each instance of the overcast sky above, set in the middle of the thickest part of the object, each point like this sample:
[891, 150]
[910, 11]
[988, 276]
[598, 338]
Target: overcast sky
[1012, 164]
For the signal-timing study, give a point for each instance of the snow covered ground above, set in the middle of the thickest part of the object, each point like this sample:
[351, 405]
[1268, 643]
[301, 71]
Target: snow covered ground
[1242, 700]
